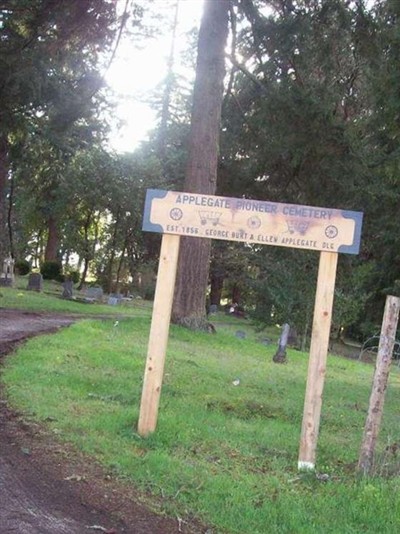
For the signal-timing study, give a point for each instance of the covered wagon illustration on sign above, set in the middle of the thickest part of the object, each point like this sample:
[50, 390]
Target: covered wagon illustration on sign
[296, 225]
[209, 217]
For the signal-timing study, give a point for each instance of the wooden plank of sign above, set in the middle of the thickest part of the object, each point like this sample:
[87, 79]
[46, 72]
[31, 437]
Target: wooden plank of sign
[252, 221]
[317, 362]
[159, 331]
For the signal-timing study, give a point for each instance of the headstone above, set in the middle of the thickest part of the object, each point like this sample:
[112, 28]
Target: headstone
[213, 309]
[68, 287]
[280, 355]
[35, 282]
[240, 334]
[115, 298]
[94, 294]
[7, 275]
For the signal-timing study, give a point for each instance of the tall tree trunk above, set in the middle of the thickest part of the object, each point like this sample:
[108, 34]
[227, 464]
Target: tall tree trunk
[216, 286]
[53, 240]
[120, 264]
[189, 308]
[236, 293]
[9, 218]
[3, 196]
[67, 256]
[87, 255]
[112, 255]
[166, 101]
[82, 282]
[38, 250]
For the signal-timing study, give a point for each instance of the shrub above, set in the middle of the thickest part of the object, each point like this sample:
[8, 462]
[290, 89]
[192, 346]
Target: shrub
[22, 267]
[51, 270]
[74, 276]
[148, 292]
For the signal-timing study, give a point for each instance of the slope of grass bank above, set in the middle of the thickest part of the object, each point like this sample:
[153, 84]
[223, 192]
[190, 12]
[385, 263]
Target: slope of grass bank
[223, 452]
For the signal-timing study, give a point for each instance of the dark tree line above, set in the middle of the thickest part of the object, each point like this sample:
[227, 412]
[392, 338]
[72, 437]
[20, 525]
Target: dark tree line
[309, 117]
[308, 114]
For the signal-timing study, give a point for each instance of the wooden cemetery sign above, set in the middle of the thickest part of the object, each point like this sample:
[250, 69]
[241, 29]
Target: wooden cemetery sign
[330, 231]
[252, 221]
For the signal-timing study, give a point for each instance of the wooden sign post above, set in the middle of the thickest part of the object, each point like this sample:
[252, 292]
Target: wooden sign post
[159, 330]
[318, 356]
[330, 231]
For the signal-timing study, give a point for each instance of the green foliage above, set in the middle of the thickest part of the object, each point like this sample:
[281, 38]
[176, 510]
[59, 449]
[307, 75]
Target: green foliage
[51, 270]
[74, 276]
[225, 454]
[351, 297]
[310, 117]
[287, 131]
[285, 287]
[307, 122]
[232, 270]
[50, 93]
[148, 291]
[22, 267]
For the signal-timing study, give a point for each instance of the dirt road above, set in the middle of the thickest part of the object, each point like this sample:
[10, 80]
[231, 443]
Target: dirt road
[49, 488]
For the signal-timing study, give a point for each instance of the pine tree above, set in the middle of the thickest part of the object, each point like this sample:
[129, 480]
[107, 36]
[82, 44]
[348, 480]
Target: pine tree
[189, 306]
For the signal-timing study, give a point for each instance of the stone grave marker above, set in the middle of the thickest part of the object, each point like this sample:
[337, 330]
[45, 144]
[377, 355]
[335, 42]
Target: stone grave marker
[68, 287]
[240, 334]
[114, 299]
[7, 275]
[213, 309]
[94, 294]
[35, 282]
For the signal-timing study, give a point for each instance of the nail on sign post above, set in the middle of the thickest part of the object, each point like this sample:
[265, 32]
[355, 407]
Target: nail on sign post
[329, 231]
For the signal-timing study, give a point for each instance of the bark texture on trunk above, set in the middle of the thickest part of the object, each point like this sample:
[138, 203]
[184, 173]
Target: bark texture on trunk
[112, 255]
[53, 240]
[189, 308]
[216, 287]
[3, 200]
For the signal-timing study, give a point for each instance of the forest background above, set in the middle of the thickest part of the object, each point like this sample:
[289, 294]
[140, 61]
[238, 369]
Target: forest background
[310, 115]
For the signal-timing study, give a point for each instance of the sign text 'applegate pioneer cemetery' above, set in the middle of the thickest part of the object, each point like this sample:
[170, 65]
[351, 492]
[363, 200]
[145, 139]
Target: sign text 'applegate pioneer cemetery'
[252, 221]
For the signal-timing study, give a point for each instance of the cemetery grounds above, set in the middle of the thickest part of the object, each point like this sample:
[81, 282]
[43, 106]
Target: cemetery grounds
[224, 456]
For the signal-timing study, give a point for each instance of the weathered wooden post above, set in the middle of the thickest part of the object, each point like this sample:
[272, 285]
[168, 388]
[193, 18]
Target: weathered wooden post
[379, 385]
[317, 362]
[158, 340]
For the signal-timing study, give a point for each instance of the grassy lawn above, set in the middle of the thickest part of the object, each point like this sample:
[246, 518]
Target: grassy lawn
[50, 300]
[223, 452]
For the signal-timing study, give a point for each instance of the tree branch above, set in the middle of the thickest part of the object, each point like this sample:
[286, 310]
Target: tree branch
[246, 72]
